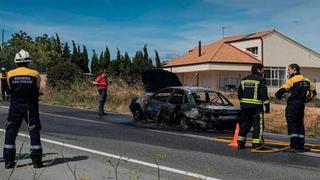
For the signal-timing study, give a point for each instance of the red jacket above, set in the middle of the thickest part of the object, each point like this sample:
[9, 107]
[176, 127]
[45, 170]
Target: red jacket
[102, 79]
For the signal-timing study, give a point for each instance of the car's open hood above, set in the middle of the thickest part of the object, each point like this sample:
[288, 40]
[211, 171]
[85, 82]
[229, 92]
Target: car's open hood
[157, 79]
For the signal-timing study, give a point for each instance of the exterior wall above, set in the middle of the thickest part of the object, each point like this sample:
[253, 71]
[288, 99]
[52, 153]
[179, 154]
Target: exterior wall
[280, 51]
[314, 75]
[210, 67]
[247, 44]
[212, 79]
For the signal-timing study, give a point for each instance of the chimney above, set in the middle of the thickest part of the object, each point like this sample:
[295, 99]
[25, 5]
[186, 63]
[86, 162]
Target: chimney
[199, 48]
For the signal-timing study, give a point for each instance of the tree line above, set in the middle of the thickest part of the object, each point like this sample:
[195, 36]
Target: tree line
[64, 63]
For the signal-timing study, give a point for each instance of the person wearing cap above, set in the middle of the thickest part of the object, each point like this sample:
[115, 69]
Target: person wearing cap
[4, 84]
[102, 83]
[24, 84]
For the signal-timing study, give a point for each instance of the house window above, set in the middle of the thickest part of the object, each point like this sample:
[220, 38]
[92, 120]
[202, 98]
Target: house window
[275, 76]
[253, 50]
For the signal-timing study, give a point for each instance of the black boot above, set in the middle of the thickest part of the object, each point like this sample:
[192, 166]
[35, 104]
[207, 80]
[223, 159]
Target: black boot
[241, 145]
[9, 164]
[37, 163]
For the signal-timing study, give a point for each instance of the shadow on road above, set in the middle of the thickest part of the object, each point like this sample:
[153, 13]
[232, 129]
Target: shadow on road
[48, 162]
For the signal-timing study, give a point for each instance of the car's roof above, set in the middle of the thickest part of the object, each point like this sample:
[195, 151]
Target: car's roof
[194, 88]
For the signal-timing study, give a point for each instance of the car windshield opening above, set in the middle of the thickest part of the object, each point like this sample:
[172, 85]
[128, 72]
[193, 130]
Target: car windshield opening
[210, 98]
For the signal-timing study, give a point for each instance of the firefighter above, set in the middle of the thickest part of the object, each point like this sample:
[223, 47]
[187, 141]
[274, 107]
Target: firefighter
[253, 95]
[24, 86]
[4, 84]
[301, 90]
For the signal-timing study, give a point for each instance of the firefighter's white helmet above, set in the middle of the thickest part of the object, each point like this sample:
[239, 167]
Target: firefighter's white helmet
[22, 56]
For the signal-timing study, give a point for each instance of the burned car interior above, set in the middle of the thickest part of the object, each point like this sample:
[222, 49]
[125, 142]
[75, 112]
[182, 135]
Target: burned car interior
[185, 106]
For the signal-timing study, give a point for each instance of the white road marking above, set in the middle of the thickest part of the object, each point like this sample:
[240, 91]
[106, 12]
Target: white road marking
[184, 134]
[68, 117]
[310, 154]
[69, 107]
[165, 168]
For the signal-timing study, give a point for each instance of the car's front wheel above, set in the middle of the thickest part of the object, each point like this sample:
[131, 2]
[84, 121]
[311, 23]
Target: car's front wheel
[137, 113]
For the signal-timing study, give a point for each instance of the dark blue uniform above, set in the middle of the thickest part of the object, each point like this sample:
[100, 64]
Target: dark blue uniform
[24, 105]
[299, 86]
[253, 95]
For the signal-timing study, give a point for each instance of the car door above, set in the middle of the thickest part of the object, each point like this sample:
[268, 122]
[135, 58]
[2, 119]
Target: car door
[156, 102]
[172, 106]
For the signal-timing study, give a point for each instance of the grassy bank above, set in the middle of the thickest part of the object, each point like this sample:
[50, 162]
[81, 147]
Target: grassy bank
[84, 95]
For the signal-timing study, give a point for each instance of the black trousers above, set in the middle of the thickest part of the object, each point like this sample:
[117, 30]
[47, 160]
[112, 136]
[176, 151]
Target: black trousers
[102, 100]
[4, 91]
[295, 124]
[18, 112]
[251, 117]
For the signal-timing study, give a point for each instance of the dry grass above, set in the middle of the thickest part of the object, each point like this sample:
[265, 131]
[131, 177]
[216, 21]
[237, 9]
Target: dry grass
[85, 95]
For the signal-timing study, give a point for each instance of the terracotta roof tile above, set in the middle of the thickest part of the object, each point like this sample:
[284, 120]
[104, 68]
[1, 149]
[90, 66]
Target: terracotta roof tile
[220, 51]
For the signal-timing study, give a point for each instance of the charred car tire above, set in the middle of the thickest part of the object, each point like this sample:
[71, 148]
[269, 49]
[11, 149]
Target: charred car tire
[184, 122]
[137, 113]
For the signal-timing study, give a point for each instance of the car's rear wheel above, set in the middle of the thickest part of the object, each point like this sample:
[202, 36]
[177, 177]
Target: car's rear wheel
[137, 113]
[184, 122]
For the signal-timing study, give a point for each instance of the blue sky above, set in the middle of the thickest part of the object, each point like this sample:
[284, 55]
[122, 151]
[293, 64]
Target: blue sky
[170, 26]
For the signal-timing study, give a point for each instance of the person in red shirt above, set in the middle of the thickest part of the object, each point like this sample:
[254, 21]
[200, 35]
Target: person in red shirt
[102, 83]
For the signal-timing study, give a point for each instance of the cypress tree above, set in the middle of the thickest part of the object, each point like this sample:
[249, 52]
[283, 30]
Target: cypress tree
[157, 59]
[94, 63]
[106, 58]
[84, 59]
[75, 55]
[66, 51]
[101, 62]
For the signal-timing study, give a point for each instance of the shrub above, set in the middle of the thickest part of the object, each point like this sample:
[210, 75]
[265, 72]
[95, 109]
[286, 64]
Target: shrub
[63, 75]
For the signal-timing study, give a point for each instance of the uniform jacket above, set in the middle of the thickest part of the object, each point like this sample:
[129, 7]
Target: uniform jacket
[299, 86]
[253, 92]
[24, 84]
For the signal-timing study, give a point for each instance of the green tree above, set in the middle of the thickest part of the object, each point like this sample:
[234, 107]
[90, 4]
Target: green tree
[63, 75]
[66, 53]
[105, 61]
[157, 59]
[57, 44]
[75, 54]
[101, 62]
[94, 63]
[84, 60]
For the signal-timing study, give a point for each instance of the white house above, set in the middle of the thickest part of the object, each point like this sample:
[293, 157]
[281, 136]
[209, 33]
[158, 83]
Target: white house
[223, 63]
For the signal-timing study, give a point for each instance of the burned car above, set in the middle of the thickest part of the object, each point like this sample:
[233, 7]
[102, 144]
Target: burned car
[184, 106]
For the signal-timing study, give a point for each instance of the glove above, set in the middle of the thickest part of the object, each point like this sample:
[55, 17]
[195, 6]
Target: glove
[277, 95]
[267, 106]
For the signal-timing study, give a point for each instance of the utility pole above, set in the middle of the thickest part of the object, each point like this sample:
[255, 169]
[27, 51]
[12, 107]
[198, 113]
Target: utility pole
[223, 29]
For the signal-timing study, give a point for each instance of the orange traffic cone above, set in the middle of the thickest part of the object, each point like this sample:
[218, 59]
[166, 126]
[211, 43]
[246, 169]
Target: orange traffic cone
[234, 142]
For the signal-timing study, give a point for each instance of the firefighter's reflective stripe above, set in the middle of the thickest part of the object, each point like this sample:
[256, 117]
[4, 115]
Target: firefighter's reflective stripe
[251, 101]
[9, 146]
[254, 100]
[241, 138]
[266, 102]
[261, 127]
[256, 141]
[36, 147]
[296, 135]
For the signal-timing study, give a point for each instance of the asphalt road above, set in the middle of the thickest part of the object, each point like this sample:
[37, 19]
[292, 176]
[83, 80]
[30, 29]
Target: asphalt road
[194, 152]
